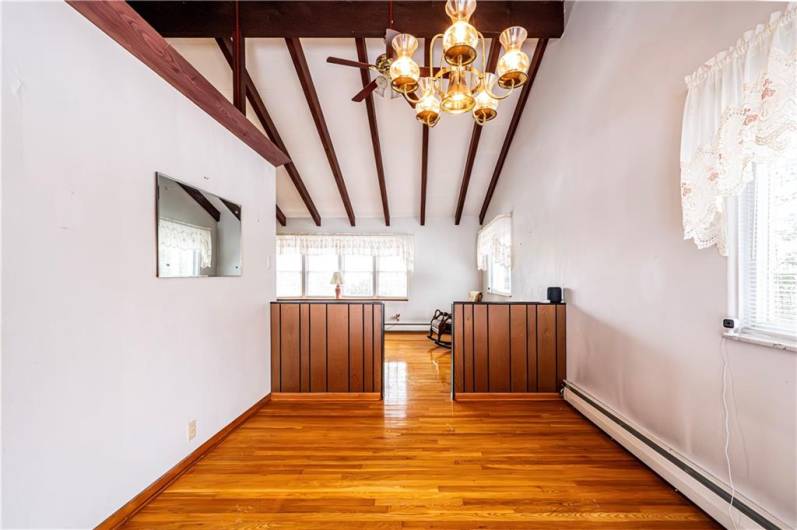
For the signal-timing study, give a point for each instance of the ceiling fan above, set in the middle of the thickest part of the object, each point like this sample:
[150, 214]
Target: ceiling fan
[381, 83]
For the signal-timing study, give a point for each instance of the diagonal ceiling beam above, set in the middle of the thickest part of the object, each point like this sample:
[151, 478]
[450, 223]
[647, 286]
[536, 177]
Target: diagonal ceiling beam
[475, 136]
[121, 23]
[510, 133]
[281, 217]
[303, 71]
[424, 143]
[202, 201]
[343, 18]
[271, 130]
[362, 55]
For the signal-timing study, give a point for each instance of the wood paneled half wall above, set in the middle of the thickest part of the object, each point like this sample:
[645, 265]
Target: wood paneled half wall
[327, 350]
[512, 350]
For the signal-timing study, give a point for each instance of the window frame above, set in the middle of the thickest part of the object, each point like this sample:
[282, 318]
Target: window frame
[488, 272]
[735, 288]
[374, 283]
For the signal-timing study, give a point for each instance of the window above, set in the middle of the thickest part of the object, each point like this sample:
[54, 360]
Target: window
[391, 277]
[372, 266]
[318, 272]
[494, 254]
[289, 275]
[358, 275]
[183, 249]
[767, 253]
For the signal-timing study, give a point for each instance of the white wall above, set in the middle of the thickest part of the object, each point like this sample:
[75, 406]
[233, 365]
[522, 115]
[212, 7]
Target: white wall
[445, 259]
[593, 181]
[104, 364]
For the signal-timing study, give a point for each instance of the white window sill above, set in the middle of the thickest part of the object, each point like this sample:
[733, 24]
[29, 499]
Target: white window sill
[763, 340]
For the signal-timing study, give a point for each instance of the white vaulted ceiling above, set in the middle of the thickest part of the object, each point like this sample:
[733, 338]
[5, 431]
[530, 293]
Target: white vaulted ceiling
[269, 64]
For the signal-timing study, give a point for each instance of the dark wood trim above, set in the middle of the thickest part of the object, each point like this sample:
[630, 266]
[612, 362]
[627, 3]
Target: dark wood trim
[343, 19]
[475, 136]
[120, 22]
[513, 125]
[303, 71]
[281, 217]
[238, 63]
[234, 208]
[424, 144]
[508, 396]
[326, 396]
[362, 55]
[201, 200]
[271, 130]
[120, 516]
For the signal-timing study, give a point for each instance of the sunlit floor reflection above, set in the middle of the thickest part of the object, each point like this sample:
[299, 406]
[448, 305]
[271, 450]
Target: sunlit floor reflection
[395, 382]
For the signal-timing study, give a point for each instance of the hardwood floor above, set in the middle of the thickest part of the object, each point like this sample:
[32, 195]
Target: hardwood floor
[419, 461]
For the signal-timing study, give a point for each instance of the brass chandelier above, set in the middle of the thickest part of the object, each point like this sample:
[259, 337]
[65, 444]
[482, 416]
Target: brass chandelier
[457, 86]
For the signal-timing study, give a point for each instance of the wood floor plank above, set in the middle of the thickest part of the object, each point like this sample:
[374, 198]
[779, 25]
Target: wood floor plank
[417, 460]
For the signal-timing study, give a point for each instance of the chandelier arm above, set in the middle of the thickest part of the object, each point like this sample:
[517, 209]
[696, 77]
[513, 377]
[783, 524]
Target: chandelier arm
[497, 97]
[406, 95]
[431, 55]
[484, 51]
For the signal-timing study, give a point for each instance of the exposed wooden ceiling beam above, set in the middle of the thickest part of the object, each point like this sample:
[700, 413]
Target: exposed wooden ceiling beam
[120, 22]
[510, 133]
[281, 217]
[475, 136]
[361, 18]
[271, 130]
[238, 64]
[303, 71]
[424, 143]
[234, 208]
[202, 201]
[362, 55]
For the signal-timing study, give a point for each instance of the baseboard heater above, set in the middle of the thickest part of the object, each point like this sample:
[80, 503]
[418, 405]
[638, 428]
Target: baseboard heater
[709, 493]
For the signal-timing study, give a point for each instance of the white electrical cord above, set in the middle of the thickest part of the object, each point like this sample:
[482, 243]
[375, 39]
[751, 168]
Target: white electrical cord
[724, 355]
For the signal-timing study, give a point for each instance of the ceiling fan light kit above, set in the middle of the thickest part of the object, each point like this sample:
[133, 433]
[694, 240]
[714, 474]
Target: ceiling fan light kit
[456, 86]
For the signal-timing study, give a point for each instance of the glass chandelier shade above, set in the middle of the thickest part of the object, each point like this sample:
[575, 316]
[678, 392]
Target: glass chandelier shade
[427, 110]
[404, 71]
[458, 97]
[486, 106]
[514, 64]
[461, 39]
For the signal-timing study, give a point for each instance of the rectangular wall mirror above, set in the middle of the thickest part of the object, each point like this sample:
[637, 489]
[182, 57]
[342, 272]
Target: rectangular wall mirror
[199, 234]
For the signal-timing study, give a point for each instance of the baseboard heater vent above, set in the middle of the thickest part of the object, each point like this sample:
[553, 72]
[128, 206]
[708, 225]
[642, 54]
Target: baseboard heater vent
[406, 326]
[701, 489]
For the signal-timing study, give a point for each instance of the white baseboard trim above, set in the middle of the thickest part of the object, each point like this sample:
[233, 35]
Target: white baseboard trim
[711, 494]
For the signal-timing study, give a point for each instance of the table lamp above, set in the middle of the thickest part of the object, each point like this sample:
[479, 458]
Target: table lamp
[337, 281]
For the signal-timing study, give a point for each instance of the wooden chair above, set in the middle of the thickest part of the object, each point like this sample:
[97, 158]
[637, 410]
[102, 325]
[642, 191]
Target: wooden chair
[441, 323]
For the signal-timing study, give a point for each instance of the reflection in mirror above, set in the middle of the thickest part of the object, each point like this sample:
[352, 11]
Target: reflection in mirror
[199, 234]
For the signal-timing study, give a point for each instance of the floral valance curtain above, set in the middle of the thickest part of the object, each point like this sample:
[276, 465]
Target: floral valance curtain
[174, 235]
[495, 240]
[741, 110]
[402, 246]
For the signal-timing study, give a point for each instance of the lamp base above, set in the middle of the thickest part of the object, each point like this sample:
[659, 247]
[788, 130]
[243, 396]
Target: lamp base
[337, 292]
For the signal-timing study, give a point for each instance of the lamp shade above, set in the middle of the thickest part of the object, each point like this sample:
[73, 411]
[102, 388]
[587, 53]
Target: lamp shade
[337, 279]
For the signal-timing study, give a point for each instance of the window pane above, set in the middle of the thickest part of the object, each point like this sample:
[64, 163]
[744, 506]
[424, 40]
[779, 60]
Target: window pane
[393, 284]
[391, 264]
[358, 276]
[500, 279]
[289, 262]
[319, 272]
[768, 252]
[289, 284]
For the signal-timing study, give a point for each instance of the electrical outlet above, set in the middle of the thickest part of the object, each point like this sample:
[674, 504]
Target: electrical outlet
[191, 430]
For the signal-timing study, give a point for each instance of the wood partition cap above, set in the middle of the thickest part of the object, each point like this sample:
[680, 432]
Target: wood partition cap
[507, 303]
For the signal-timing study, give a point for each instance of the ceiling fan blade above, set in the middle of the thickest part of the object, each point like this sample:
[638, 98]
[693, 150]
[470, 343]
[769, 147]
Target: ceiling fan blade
[365, 92]
[347, 62]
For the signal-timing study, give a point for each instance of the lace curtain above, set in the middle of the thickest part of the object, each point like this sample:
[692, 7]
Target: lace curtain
[741, 109]
[495, 240]
[401, 246]
[174, 235]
